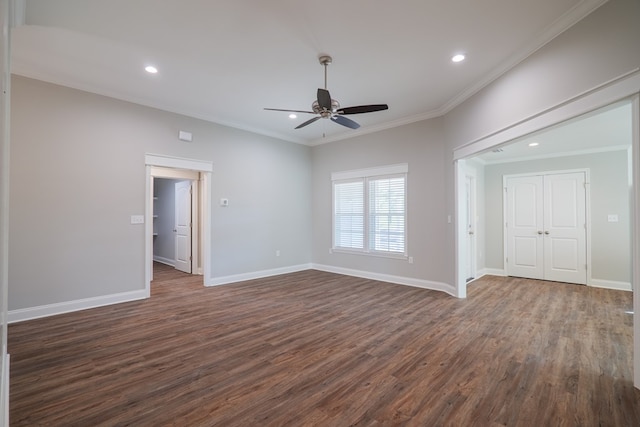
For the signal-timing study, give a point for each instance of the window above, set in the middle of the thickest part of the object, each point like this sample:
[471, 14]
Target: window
[369, 210]
[348, 217]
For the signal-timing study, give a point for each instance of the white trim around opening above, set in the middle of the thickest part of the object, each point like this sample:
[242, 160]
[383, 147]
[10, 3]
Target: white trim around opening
[205, 168]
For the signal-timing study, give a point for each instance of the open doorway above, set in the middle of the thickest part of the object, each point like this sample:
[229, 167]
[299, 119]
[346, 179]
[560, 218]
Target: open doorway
[176, 222]
[186, 183]
[625, 88]
[526, 177]
[598, 145]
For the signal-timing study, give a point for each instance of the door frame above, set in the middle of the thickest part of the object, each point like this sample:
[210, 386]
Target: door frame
[205, 169]
[472, 215]
[587, 189]
[195, 178]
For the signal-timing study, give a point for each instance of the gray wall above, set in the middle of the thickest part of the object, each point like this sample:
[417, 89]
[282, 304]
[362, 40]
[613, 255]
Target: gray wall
[164, 206]
[78, 174]
[609, 191]
[421, 145]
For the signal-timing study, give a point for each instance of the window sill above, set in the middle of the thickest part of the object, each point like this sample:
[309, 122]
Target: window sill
[370, 254]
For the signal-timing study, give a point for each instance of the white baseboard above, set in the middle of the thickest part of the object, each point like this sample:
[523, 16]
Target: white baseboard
[598, 283]
[225, 280]
[491, 272]
[5, 392]
[163, 260]
[610, 284]
[31, 313]
[400, 280]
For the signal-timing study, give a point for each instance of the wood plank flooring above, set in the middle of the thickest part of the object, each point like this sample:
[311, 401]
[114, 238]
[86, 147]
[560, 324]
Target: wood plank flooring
[320, 349]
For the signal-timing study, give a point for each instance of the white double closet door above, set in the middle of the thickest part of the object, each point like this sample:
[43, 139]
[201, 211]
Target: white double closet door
[546, 227]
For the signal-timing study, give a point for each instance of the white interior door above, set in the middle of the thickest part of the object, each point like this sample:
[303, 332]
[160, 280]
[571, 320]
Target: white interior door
[565, 228]
[546, 227]
[182, 229]
[525, 227]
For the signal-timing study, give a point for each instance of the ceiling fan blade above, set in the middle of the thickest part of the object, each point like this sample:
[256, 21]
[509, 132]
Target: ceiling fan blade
[290, 111]
[345, 122]
[308, 122]
[324, 99]
[363, 109]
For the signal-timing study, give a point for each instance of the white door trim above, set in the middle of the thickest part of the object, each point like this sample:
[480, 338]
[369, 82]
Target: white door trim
[196, 182]
[635, 236]
[472, 213]
[460, 254]
[178, 163]
[205, 169]
[617, 89]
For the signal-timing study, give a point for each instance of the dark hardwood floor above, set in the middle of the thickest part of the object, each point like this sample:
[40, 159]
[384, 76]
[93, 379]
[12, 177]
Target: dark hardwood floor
[315, 348]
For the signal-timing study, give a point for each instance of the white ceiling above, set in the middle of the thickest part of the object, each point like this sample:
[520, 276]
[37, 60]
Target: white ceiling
[225, 60]
[609, 128]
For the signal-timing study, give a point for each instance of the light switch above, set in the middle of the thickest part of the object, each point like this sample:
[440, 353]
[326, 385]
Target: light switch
[612, 218]
[137, 219]
[224, 202]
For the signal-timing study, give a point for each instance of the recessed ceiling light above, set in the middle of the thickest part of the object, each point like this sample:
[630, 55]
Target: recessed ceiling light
[457, 58]
[151, 69]
[293, 116]
[534, 144]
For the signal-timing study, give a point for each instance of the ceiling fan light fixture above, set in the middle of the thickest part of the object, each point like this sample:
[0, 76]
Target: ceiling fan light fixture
[151, 69]
[458, 58]
[293, 116]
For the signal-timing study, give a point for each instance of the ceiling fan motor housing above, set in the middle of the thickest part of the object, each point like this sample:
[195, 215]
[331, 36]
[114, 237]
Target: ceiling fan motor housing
[335, 105]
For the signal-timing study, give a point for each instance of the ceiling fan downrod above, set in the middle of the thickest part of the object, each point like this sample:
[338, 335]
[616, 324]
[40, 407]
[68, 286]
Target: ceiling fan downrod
[325, 60]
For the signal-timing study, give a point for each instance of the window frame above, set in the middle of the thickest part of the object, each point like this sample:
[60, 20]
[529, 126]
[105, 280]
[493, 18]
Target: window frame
[366, 176]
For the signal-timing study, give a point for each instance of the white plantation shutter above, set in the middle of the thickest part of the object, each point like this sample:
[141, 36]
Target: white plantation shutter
[369, 210]
[349, 215]
[387, 214]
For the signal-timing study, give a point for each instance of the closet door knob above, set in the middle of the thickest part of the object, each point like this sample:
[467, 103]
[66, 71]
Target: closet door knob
[546, 232]
[539, 232]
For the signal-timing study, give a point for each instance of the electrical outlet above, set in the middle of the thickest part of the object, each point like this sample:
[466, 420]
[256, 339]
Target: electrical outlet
[410, 260]
[137, 219]
[278, 252]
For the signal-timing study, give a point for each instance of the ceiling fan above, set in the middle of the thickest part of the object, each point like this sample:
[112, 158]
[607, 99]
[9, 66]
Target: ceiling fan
[327, 108]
